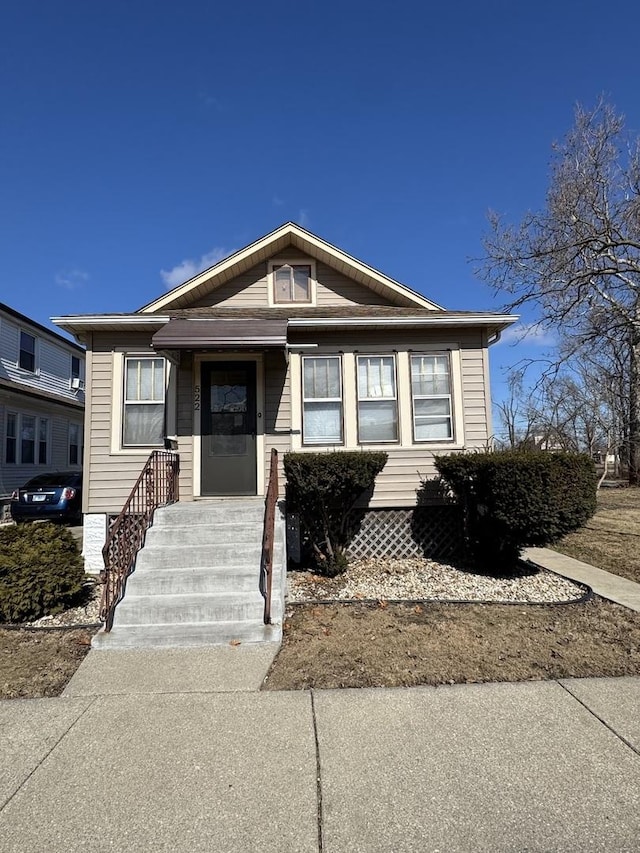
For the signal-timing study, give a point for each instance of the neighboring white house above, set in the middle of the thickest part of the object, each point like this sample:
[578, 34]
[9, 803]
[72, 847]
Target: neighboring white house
[42, 379]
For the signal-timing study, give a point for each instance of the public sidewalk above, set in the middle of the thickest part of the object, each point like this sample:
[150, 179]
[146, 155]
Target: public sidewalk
[141, 764]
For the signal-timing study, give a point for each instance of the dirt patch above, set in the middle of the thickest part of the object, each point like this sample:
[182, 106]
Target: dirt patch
[611, 539]
[39, 663]
[360, 645]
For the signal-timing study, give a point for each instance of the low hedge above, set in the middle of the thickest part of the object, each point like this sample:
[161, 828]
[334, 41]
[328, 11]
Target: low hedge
[323, 488]
[41, 571]
[517, 499]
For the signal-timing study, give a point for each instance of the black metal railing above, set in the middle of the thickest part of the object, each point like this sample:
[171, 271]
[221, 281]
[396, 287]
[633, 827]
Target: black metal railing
[156, 486]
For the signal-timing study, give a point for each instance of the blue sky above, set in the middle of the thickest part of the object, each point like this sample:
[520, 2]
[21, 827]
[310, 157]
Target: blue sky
[141, 140]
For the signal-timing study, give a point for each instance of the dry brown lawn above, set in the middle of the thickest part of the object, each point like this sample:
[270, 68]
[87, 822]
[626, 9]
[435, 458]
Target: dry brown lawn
[39, 663]
[397, 645]
[611, 539]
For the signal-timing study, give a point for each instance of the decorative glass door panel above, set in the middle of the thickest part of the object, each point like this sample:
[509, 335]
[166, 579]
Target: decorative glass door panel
[228, 428]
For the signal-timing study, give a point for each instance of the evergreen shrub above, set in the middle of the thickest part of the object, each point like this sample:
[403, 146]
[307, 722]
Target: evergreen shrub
[41, 571]
[323, 489]
[517, 499]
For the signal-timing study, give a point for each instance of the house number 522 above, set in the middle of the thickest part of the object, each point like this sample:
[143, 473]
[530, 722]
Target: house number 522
[196, 398]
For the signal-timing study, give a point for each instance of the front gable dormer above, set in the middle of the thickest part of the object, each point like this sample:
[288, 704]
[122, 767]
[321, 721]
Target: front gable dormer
[289, 267]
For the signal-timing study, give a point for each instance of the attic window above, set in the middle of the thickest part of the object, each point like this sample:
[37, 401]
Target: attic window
[292, 283]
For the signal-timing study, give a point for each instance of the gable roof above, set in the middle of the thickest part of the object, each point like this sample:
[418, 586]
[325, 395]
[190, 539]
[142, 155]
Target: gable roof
[286, 235]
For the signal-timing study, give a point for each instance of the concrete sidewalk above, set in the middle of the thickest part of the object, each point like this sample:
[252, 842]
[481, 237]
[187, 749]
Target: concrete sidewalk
[537, 766]
[609, 586]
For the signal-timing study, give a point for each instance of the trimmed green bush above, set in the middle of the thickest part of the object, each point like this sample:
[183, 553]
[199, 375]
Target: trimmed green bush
[323, 489]
[41, 571]
[517, 499]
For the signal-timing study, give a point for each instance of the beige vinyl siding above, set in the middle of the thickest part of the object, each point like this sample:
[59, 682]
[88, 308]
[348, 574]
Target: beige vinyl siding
[110, 477]
[248, 289]
[277, 411]
[251, 288]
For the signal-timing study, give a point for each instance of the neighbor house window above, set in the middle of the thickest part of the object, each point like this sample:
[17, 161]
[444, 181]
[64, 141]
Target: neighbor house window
[74, 444]
[27, 440]
[321, 400]
[377, 398]
[43, 432]
[27, 357]
[292, 283]
[143, 417]
[431, 395]
[75, 367]
[11, 439]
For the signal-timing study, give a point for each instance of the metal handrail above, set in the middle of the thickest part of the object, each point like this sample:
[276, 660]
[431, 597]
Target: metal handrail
[268, 535]
[156, 486]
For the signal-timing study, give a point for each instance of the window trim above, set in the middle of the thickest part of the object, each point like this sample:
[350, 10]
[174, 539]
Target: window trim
[396, 398]
[450, 397]
[271, 281]
[148, 357]
[303, 400]
[35, 371]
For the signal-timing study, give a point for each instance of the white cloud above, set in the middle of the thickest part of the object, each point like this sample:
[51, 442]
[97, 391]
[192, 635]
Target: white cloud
[191, 266]
[529, 333]
[276, 201]
[71, 279]
[303, 217]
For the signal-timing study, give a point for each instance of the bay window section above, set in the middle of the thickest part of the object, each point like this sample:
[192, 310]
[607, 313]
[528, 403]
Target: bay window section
[431, 398]
[377, 399]
[144, 397]
[321, 400]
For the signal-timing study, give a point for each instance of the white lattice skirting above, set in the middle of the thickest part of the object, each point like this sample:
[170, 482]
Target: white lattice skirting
[426, 531]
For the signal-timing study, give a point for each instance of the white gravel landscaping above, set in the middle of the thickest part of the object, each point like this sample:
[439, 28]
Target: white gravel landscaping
[419, 578]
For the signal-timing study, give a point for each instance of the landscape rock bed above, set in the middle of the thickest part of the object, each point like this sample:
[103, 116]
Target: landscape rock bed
[85, 614]
[420, 579]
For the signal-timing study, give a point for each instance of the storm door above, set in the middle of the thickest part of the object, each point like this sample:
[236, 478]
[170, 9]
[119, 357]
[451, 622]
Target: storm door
[228, 426]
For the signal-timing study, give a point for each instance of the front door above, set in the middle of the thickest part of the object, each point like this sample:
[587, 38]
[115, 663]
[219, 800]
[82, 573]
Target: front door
[228, 464]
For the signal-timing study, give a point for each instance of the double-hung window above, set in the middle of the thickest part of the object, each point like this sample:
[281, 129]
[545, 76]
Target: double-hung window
[74, 444]
[43, 440]
[292, 283]
[377, 399]
[27, 356]
[144, 390]
[322, 399]
[27, 439]
[11, 439]
[75, 367]
[431, 397]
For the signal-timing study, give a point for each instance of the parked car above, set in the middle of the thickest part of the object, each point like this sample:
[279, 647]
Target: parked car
[57, 497]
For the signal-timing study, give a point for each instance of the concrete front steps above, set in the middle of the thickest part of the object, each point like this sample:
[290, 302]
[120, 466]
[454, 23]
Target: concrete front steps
[196, 580]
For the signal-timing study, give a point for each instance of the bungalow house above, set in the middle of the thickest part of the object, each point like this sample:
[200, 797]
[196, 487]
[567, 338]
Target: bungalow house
[289, 343]
[41, 402]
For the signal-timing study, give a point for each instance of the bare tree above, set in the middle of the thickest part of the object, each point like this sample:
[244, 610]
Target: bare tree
[577, 261]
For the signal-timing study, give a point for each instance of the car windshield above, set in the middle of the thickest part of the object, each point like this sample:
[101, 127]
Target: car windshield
[53, 480]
